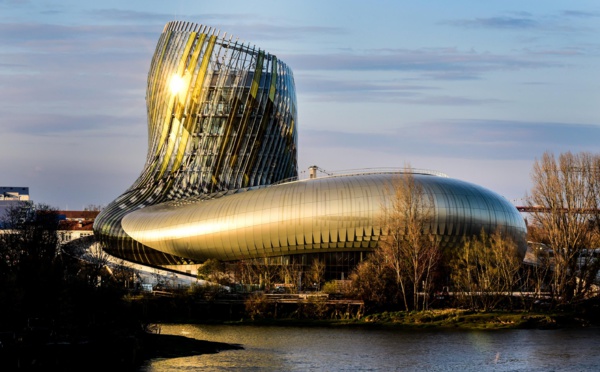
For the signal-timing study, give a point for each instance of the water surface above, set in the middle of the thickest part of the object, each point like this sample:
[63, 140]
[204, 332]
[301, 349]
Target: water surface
[357, 349]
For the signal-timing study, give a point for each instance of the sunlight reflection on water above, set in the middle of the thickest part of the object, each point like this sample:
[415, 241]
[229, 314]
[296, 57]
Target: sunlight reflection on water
[351, 349]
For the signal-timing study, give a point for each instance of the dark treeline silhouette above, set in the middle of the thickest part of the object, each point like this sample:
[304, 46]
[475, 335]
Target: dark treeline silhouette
[59, 312]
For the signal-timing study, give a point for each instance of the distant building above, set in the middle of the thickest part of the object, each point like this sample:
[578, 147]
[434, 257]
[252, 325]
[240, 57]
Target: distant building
[75, 224]
[11, 196]
[8, 193]
[72, 224]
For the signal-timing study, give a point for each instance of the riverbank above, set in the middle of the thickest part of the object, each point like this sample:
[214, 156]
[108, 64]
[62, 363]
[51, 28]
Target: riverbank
[447, 322]
[439, 319]
[172, 310]
[285, 348]
[129, 349]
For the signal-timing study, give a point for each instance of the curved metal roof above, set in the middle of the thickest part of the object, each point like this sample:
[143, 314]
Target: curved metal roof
[314, 215]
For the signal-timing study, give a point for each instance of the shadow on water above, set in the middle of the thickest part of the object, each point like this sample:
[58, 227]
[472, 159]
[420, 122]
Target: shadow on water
[37, 350]
[174, 346]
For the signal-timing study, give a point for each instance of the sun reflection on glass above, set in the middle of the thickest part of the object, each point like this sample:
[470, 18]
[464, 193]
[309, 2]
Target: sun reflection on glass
[176, 84]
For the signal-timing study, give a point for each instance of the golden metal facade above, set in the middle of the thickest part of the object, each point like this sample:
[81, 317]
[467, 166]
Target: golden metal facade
[222, 138]
[221, 116]
[339, 213]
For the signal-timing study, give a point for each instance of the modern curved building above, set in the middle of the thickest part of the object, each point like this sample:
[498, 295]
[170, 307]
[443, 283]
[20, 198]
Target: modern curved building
[220, 178]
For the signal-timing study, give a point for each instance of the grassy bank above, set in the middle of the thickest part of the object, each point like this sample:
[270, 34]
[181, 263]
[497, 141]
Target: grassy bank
[441, 319]
[178, 310]
[465, 319]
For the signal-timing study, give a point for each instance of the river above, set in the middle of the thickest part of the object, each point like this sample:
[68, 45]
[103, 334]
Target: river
[357, 349]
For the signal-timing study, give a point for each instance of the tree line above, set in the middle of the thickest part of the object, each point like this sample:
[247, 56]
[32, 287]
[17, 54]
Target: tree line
[487, 271]
[410, 271]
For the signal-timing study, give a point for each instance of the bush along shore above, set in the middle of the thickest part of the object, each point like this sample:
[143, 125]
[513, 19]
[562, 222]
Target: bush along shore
[448, 319]
[310, 312]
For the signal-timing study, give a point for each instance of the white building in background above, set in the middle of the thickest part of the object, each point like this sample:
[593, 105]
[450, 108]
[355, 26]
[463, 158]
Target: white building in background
[9, 193]
[75, 224]
[72, 224]
[11, 196]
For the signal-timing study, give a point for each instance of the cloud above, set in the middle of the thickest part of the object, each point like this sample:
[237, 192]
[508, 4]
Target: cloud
[15, 34]
[451, 100]
[580, 14]
[349, 90]
[468, 139]
[15, 2]
[445, 61]
[68, 80]
[41, 125]
[343, 90]
[321, 90]
[567, 51]
[129, 16]
[496, 23]
[259, 32]
[245, 26]
[40, 38]
[525, 21]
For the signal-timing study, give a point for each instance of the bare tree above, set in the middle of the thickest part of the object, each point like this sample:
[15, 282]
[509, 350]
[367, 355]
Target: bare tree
[537, 271]
[290, 274]
[31, 269]
[123, 273]
[566, 195]
[97, 267]
[261, 272]
[245, 274]
[316, 273]
[486, 270]
[93, 207]
[374, 282]
[410, 247]
[269, 272]
[93, 259]
[32, 231]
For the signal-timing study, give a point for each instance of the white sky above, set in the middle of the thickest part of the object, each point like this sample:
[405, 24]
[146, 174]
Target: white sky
[474, 89]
